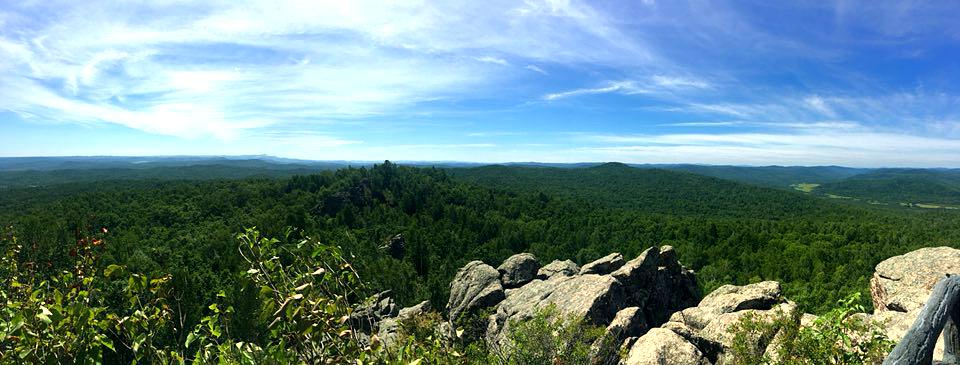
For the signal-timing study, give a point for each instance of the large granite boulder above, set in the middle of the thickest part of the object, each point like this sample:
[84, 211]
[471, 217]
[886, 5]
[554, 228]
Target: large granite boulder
[558, 268]
[728, 299]
[475, 286]
[518, 269]
[721, 329]
[629, 322]
[664, 347]
[903, 283]
[594, 298]
[674, 288]
[640, 270]
[603, 265]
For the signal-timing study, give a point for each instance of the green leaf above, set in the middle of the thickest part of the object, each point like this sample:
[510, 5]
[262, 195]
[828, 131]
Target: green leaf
[44, 315]
[190, 337]
[107, 343]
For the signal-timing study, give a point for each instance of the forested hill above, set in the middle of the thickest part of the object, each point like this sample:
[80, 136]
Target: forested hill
[900, 186]
[651, 190]
[49, 171]
[773, 176]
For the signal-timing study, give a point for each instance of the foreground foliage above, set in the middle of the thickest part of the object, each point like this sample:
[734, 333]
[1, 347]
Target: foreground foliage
[307, 292]
[841, 336]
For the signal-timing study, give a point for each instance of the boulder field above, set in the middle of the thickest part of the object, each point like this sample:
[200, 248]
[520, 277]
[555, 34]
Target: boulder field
[651, 304]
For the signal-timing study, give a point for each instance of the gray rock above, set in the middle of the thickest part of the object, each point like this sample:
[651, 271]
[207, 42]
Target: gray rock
[629, 322]
[395, 246]
[668, 258]
[710, 325]
[378, 307]
[663, 347]
[640, 270]
[721, 331]
[390, 327]
[658, 284]
[594, 298]
[603, 265]
[518, 269]
[939, 316]
[476, 286]
[731, 298]
[558, 268]
[903, 283]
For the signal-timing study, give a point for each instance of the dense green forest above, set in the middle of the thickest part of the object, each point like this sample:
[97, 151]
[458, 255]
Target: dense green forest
[821, 249]
[727, 231]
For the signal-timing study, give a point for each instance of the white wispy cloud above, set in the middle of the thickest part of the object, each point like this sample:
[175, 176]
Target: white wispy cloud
[820, 105]
[494, 134]
[623, 87]
[445, 146]
[220, 68]
[821, 125]
[536, 69]
[679, 82]
[702, 124]
[737, 110]
[854, 148]
[494, 60]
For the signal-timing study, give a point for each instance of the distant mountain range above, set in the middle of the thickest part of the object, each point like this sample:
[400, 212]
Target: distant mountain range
[930, 187]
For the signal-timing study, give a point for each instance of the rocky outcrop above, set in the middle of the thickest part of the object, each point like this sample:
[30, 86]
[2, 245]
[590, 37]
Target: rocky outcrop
[708, 327]
[903, 283]
[558, 268]
[625, 297]
[900, 287]
[650, 304]
[603, 265]
[476, 286]
[518, 269]
[389, 328]
[378, 307]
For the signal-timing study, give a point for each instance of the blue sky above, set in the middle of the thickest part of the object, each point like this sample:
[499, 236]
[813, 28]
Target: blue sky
[871, 83]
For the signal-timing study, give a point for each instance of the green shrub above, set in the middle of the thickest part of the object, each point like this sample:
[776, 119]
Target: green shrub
[551, 337]
[63, 319]
[838, 337]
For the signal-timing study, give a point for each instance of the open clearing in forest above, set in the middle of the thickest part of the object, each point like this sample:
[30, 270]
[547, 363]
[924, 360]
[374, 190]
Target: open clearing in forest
[805, 187]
